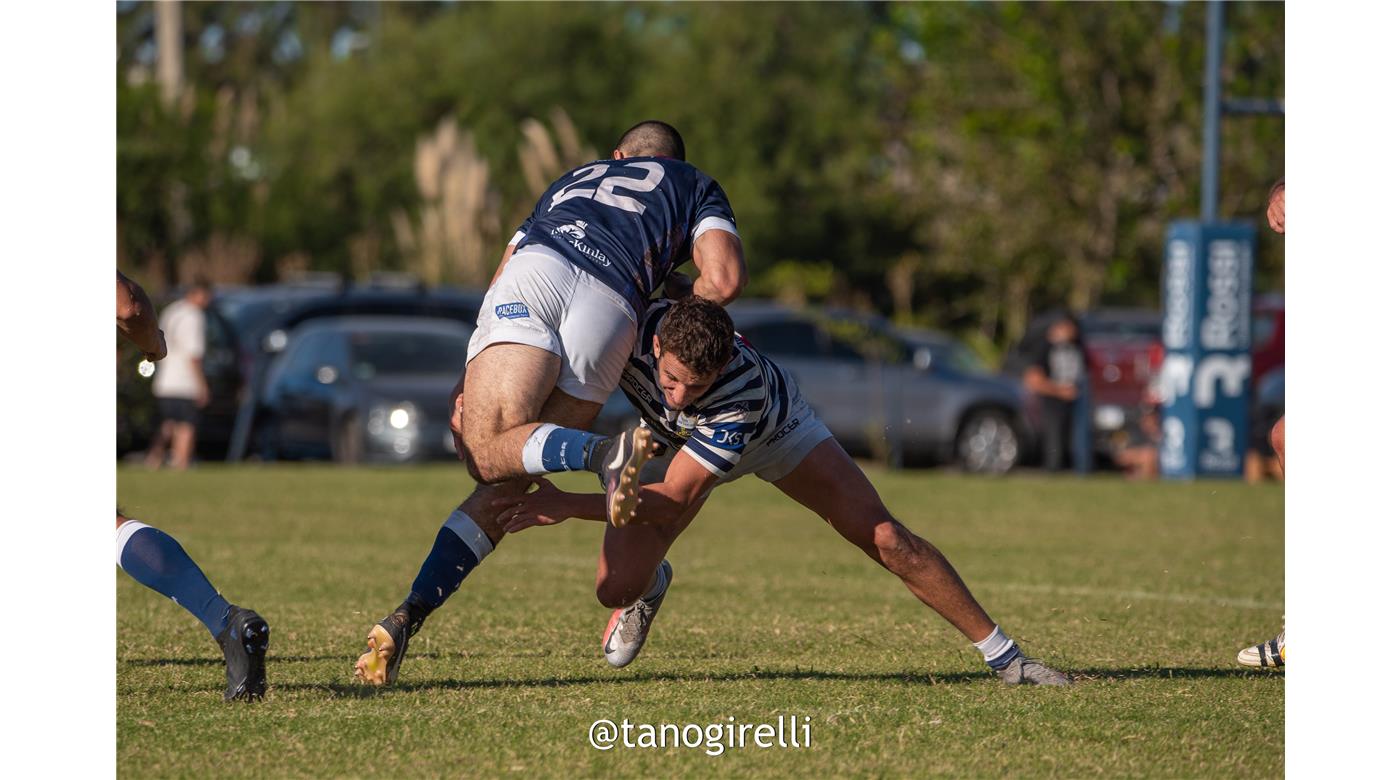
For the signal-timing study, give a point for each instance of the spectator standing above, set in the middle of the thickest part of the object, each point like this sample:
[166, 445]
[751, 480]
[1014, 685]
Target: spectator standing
[1056, 375]
[179, 386]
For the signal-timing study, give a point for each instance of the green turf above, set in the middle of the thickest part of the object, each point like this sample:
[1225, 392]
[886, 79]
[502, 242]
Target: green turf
[1144, 591]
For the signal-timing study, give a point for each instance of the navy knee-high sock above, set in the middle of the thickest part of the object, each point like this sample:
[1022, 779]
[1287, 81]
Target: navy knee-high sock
[154, 559]
[460, 546]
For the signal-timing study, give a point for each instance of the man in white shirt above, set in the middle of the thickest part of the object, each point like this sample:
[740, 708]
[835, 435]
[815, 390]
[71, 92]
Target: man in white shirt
[179, 386]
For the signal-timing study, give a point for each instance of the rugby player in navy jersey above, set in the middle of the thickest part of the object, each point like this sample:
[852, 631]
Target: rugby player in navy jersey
[729, 411]
[554, 333]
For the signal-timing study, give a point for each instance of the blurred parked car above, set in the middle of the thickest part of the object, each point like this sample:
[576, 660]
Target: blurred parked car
[266, 317]
[901, 395]
[362, 388]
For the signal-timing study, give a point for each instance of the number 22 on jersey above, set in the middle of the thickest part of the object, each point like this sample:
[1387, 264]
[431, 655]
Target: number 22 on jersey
[604, 193]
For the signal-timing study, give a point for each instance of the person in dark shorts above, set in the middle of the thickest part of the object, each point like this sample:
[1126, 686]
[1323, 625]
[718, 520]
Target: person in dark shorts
[1055, 374]
[179, 385]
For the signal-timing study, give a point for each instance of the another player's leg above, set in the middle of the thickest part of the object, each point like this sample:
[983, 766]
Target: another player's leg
[1270, 654]
[506, 438]
[831, 485]
[182, 445]
[460, 546]
[156, 451]
[470, 533]
[154, 559]
[633, 578]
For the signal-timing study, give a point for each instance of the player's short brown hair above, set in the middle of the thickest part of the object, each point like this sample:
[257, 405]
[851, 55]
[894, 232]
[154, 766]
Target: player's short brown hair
[652, 138]
[699, 333]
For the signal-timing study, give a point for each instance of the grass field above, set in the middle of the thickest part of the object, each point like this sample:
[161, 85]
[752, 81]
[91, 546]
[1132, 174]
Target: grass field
[1143, 591]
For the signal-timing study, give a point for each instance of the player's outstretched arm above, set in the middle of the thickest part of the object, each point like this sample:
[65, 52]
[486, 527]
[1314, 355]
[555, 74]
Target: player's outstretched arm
[719, 256]
[136, 318]
[687, 484]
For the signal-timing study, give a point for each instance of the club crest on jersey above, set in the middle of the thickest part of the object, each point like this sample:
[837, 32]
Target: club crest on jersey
[685, 424]
[512, 311]
[574, 233]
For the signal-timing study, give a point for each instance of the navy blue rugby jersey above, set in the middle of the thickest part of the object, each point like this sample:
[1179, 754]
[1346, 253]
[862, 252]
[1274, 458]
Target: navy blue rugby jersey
[628, 222]
[753, 400]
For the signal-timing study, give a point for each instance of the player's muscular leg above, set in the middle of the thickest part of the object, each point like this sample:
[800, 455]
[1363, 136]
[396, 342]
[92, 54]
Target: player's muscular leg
[559, 408]
[503, 396]
[1276, 439]
[630, 556]
[830, 484]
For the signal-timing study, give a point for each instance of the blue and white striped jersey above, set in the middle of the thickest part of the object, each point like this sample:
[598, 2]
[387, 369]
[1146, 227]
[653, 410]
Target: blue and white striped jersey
[751, 401]
[628, 222]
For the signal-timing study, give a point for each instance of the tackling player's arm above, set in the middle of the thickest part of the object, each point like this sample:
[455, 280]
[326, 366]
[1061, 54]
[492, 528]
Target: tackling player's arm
[136, 318]
[687, 484]
[719, 256]
[510, 250]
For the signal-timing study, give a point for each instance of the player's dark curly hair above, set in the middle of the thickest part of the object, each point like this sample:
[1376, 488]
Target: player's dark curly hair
[699, 333]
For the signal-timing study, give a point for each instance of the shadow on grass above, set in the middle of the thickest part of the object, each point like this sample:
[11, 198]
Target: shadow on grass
[272, 660]
[356, 691]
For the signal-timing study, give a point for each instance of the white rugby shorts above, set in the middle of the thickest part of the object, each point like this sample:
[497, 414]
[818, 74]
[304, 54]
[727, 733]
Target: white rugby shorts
[783, 450]
[544, 301]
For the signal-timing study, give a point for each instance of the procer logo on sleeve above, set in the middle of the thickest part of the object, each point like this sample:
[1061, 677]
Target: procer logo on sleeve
[512, 311]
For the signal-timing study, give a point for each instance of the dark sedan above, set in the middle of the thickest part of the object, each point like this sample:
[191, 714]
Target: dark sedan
[358, 389]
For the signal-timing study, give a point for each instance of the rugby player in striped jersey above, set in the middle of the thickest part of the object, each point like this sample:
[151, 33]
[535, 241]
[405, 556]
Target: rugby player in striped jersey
[729, 411]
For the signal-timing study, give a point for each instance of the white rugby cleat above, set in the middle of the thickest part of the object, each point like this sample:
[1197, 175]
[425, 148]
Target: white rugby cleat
[1269, 655]
[627, 628]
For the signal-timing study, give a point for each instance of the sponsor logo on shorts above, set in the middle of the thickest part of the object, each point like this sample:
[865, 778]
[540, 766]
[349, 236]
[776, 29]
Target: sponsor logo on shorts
[512, 311]
[575, 233]
[787, 428]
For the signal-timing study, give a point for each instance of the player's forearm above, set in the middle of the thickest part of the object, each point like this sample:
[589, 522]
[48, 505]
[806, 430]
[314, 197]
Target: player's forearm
[719, 257]
[721, 292]
[665, 503]
[583, 506]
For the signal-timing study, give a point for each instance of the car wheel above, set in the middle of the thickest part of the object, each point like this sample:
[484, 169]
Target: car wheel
[347, 447]
[987, 443]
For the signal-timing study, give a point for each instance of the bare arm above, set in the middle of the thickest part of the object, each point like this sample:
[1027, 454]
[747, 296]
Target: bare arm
[510, 250]
[1275, 207]
[686, 485]
[1037, 382]
[719, 256]
[136, 318]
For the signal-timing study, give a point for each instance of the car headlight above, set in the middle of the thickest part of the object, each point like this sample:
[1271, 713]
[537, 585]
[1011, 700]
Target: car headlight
[392, 421]
[1109, 418]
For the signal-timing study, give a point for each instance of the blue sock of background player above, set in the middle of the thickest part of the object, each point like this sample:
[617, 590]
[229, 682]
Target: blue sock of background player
[154, 559]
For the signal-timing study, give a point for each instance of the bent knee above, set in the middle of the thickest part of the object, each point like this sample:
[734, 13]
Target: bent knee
[894, 545]
[1276, 437]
